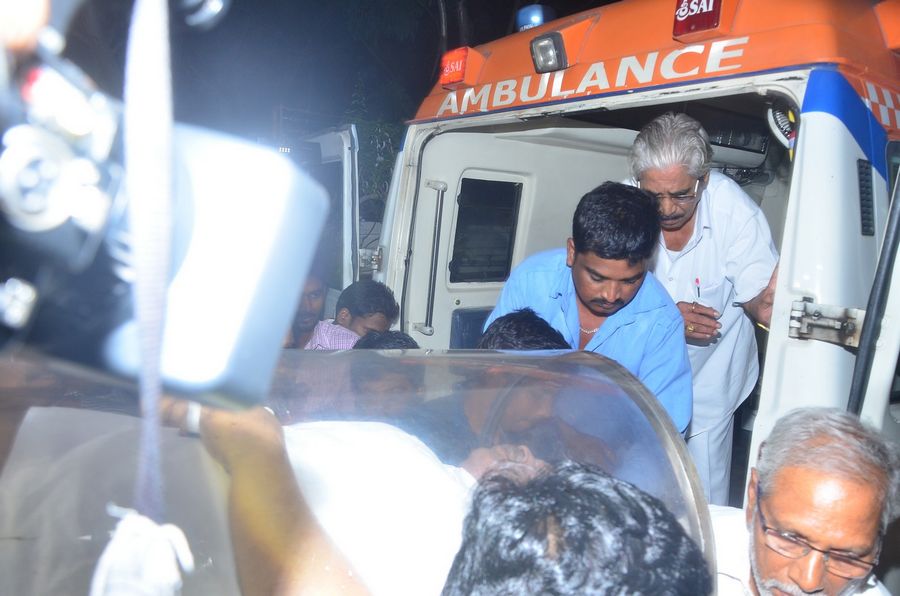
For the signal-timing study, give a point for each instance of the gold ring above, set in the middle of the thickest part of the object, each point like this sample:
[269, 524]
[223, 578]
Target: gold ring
[690, 328]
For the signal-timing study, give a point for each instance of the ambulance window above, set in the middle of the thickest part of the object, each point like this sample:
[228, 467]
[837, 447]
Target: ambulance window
[893, 163]
[485, 230]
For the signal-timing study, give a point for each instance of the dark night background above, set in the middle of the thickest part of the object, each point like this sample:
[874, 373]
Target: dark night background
[325, 63]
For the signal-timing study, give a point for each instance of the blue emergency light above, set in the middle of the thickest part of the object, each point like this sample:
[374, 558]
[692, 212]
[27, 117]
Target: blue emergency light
[533, 15]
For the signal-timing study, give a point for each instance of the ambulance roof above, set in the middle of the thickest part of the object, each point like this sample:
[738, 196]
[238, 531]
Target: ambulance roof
[629, 45]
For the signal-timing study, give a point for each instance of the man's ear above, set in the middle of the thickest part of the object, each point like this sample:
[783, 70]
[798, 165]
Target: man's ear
[751, 496]
[570, 252]
[343, 317]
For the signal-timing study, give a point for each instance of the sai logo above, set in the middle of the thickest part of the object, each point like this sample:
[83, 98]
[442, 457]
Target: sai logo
[689, 8]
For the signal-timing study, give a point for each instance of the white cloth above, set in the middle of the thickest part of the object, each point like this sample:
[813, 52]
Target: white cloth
[388, 503]
[143, 558]
[732, 254]
[733, 555]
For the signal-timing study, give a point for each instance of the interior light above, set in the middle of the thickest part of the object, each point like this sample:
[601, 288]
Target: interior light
[548, 52]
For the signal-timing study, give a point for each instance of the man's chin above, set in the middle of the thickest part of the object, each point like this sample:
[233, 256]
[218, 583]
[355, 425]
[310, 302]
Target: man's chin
[605, 311]
[673, 225]
[305, 324]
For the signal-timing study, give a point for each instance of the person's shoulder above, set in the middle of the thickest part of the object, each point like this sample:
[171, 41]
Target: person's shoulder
[727, 196]
[727, 518]
[732, 557]
[546, 264]
[547, 260]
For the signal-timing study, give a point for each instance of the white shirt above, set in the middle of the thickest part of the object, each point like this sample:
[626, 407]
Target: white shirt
[732, 255]
[388, 503]
[733, 555]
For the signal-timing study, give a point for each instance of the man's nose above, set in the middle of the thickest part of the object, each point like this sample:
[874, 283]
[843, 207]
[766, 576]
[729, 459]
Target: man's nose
[611, 291]
[808, 572]
[667, 206]
[545, 408]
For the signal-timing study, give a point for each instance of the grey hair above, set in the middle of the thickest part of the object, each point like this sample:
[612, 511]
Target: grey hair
[833, 441]
[671, 140]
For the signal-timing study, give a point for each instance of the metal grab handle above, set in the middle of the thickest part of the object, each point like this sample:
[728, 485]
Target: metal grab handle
[441, 187]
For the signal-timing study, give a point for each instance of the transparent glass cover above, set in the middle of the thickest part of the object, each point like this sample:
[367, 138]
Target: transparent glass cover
[385, 446]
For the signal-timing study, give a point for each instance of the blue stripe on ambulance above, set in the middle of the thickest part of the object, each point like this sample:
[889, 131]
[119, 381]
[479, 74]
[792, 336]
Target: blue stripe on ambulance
[828, 91]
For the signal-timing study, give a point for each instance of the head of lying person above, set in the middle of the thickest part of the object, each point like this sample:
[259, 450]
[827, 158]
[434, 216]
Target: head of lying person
[384, 385]
[573, 529]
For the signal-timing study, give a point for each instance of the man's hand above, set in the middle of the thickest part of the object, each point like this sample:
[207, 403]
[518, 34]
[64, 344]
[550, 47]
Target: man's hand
[20, 22]
[245, 438]
[760, 308]
[700, 322]
[512, 460]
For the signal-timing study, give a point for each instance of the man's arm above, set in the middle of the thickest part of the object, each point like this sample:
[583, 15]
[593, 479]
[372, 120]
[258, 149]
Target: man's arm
[752, 262]
[666, 371]
[278, 544]
[512, 298]
[760, 307]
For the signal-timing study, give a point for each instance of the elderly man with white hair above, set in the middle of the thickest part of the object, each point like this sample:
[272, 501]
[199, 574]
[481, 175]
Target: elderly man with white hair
[824, 489]
[717, 261]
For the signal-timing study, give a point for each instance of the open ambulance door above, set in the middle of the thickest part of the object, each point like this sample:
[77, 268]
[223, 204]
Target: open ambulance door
[331, 158]
[837, 234]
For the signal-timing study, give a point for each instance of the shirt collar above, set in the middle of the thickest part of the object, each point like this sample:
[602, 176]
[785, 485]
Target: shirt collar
[702, 224]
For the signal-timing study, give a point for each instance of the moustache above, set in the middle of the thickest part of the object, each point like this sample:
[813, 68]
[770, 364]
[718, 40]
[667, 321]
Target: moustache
[607, 305]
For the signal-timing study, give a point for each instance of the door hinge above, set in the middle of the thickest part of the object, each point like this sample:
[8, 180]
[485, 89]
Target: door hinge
[833, 324]
[370, 259]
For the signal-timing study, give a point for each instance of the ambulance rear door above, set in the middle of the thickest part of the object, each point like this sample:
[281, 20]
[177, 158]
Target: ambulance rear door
[331, 158]
[834, 231]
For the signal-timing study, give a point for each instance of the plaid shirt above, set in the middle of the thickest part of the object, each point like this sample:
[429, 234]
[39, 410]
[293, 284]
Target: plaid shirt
[328, 335]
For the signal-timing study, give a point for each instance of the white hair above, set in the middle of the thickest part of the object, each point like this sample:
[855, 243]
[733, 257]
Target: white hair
[833, 441]
[671, 140]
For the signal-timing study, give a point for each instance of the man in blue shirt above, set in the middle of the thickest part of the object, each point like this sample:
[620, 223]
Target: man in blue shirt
[598, 294]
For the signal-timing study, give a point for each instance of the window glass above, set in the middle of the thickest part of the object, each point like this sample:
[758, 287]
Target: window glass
[330, 175]
[485, 230]
[379, 443]
[893, 163]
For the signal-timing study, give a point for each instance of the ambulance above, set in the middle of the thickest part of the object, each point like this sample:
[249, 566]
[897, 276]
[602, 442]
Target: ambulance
[801, 100]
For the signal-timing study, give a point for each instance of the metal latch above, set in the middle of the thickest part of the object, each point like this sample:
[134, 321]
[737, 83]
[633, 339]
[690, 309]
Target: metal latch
[834, 324]
[370, 259]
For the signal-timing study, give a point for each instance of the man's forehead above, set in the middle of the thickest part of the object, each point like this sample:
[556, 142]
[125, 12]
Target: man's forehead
[799, 496]
[616, 269]
[666, 178]
[375, 321]
[313, 284]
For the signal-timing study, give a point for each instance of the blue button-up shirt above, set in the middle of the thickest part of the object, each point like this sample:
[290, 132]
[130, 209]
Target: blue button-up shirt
[646, 336]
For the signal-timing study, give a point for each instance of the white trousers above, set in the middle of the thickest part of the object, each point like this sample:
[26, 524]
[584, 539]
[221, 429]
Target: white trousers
[711, 452]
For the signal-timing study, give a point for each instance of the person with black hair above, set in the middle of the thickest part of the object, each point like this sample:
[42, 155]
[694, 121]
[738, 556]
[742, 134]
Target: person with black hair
[573, 529]
[310, 310]
[364, 306]
[386, 340]
[385, 386]
[598, 293]
[522, 329]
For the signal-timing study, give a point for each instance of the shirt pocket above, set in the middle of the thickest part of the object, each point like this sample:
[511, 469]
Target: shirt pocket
[715, 295]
